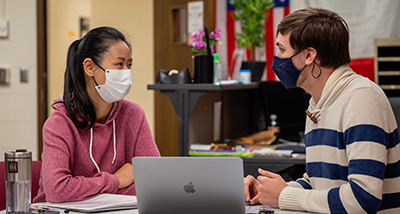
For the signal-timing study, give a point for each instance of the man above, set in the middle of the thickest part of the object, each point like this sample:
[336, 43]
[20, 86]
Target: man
[351, 137]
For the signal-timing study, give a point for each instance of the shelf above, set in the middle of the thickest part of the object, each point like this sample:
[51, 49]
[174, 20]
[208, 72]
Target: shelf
[203, 87]
[389, 59]
[389, 73]
[386, 42]
[390, 87]
[387, 64]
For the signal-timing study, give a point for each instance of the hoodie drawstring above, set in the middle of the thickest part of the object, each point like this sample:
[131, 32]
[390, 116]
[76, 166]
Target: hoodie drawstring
[91, 145]
[91, 155]
[115, 150]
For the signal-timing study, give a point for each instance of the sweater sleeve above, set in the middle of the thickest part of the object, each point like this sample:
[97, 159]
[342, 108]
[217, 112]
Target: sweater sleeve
[58, 182]
[303, 182]
[145, 145]
[368, 128]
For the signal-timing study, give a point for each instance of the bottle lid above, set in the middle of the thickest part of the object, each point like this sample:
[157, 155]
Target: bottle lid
[244, 71]
[216, 57]
[19, 153]
[18, 165]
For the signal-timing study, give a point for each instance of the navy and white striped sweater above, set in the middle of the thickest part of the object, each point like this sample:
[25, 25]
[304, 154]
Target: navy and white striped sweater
[352, 152]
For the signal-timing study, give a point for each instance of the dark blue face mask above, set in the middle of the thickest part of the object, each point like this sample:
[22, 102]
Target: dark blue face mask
[286, 71]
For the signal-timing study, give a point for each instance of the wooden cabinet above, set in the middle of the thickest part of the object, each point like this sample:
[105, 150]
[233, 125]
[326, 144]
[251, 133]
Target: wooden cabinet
[387, 65]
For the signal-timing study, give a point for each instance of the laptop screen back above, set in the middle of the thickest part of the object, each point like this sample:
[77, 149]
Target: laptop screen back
[189, 184]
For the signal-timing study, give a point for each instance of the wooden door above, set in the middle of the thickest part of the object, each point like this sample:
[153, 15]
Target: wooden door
[171, 53]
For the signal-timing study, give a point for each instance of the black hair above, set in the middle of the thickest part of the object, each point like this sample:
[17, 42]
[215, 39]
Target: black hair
[93, 45]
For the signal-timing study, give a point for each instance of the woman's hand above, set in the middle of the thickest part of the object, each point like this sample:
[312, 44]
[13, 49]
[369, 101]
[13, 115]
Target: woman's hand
[125, 175]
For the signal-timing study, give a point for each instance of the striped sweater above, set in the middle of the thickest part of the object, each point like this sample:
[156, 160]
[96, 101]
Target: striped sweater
[352, 152]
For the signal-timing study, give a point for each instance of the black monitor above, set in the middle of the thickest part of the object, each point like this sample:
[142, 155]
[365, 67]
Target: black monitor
[289, 105]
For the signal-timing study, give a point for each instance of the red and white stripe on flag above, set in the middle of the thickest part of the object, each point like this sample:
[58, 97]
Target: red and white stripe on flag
[367, 20]
[227, 51]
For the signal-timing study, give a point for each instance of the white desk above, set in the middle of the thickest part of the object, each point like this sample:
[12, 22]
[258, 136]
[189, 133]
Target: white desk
[249, 210]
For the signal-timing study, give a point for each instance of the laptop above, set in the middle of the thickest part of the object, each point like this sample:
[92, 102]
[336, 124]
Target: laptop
[194, 185]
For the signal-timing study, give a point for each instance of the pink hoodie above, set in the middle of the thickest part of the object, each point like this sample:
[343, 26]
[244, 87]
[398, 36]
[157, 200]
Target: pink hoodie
[69, 161]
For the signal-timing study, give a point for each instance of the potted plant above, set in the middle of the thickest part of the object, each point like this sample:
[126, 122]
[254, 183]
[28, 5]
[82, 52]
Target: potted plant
[251, 15]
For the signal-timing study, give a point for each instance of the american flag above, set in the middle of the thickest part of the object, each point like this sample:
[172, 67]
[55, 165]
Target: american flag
[230, 56]
[367, 20]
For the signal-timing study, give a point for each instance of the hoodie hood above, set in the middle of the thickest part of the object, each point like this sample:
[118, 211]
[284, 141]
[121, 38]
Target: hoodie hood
[58, 105]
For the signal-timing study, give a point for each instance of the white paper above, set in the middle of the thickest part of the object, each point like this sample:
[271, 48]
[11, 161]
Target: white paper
[195, 16]
[100, 202]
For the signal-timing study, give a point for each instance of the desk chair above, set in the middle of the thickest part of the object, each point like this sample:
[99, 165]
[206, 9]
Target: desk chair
[36, 167]
[395, 103]
[289, 105]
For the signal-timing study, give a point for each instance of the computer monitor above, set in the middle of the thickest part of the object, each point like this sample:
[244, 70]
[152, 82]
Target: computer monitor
[289, 105]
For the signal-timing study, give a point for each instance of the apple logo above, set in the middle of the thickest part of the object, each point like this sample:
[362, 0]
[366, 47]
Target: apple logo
[189, 188]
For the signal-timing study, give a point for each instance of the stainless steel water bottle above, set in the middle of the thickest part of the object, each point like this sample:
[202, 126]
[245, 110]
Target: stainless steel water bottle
[18, 169]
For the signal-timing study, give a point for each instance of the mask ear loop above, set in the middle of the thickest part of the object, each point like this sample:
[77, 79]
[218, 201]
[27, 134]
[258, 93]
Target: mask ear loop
[312, 71]
[101, 69]
[95, 81]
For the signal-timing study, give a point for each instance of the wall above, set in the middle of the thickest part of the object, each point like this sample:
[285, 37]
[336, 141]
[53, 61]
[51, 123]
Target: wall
[18, 109]
[134, 18]
[62, 30]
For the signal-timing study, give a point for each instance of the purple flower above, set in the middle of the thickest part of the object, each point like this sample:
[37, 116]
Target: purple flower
[198, 41]
[216, 34]
[199, 44]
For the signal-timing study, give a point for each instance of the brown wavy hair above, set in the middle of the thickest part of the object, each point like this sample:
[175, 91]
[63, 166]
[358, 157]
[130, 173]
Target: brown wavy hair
[321, 29]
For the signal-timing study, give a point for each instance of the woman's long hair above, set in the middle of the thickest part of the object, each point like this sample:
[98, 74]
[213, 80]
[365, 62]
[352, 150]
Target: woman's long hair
[76, 100]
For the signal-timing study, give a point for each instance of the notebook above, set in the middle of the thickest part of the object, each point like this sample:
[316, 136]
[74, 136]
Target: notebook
[101, 202]
[189, 185]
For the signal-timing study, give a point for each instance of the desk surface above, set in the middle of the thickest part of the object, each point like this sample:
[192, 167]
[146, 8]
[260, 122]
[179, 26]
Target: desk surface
[281, 160]
[202, 87]
[249, 210]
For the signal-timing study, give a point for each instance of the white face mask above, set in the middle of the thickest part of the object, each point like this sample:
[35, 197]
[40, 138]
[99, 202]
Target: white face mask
[117, 85]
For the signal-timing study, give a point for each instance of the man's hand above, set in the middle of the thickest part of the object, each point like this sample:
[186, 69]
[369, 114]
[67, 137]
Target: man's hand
[250, 189]
[269, 188]
[125, 175]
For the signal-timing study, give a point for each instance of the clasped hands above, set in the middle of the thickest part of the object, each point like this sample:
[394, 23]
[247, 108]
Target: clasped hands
[265, 189]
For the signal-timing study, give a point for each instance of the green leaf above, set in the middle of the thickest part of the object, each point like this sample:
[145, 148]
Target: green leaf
[250, 13]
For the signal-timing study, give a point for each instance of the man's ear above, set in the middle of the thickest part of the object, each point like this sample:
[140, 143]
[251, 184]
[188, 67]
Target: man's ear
[88, 67]
[311, 55]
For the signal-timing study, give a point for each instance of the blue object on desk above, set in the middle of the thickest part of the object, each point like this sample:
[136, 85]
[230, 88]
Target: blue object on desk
[295, 148]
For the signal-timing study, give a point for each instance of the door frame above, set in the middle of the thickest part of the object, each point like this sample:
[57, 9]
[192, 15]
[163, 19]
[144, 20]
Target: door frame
[41, 70]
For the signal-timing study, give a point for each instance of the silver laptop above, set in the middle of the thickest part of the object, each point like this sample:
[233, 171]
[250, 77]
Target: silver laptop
[189, 185]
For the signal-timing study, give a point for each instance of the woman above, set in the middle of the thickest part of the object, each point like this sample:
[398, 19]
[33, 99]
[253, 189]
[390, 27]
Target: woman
[93, 133]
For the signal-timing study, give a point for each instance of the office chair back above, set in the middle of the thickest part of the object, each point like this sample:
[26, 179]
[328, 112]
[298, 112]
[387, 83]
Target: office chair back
[395, 103]
[36, 167]
[289, 105]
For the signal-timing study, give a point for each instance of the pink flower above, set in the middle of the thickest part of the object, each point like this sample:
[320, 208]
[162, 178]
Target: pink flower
[216, 34]
[199, 44]
[198, 41]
